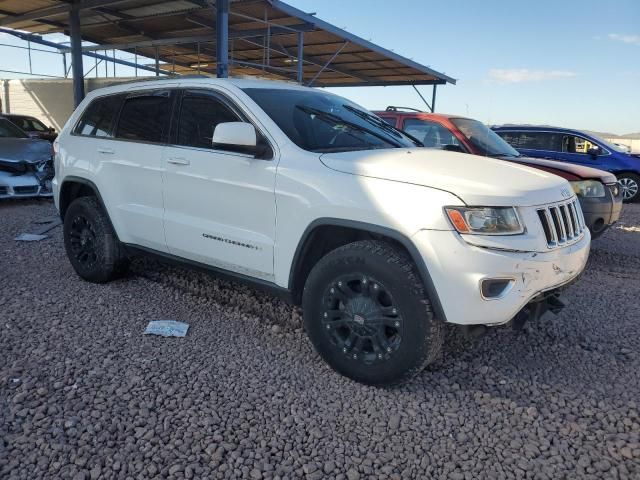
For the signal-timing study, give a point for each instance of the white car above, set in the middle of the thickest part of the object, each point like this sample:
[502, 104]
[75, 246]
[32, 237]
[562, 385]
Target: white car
[309, 195]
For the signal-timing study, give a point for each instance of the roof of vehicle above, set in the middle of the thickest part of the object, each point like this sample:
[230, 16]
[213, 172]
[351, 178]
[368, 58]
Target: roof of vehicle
[191, 80]
[539, 128]
[417, 114]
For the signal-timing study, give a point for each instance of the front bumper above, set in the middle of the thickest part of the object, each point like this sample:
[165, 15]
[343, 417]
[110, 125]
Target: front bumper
[457, 270]
[600, 213]
[26, 185]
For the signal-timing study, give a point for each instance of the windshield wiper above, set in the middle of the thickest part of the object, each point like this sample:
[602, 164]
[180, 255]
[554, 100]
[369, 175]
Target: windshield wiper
[380, 123]
[335, 119]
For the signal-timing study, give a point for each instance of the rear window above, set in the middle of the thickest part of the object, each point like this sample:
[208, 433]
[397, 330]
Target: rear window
[144, 117]
[97, 119]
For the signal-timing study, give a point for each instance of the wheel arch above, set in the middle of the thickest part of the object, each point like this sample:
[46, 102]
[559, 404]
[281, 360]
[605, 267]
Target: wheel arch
[75, 187]
[317, 240]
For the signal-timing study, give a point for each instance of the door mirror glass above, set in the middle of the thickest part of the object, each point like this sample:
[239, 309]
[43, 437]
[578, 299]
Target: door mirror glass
[236, 137]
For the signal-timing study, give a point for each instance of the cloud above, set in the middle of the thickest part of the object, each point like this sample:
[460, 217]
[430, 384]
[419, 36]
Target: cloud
[520, 75]
[631, 39]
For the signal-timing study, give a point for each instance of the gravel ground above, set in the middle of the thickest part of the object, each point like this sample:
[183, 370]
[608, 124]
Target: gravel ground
[83, 394]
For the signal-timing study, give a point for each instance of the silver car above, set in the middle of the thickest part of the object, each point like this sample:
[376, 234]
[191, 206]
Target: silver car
[26, 164]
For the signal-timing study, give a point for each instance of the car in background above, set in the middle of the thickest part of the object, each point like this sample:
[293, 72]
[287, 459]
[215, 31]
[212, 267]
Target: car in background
[26, 164]
[579, 148]
[599, 194]
[31, 126]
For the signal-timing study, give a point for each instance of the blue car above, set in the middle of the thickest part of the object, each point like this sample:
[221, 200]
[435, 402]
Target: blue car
[574, 146]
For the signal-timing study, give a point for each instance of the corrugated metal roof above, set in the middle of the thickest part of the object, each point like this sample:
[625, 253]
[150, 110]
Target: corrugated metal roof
[263, 39]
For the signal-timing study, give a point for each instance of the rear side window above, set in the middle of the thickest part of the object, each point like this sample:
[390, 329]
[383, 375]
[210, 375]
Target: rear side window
[145, 117]
[431, 134]
[199, 115]
[533, 140]
[97, 119]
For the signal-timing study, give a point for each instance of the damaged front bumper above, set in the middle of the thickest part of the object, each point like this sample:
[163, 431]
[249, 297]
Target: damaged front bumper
[26, 179]
[485, 286]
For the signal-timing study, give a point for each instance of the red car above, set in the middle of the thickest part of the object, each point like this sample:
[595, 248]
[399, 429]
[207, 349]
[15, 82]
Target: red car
[598, 191]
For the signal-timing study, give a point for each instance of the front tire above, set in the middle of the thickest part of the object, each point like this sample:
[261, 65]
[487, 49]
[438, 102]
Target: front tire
[92, 246]
[368, 316]
[630, 185]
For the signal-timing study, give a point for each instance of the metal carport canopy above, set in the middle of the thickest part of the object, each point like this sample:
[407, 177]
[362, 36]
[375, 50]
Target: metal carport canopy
[264, 38]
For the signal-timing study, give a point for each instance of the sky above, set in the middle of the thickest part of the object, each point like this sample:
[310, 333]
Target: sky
[572, 63]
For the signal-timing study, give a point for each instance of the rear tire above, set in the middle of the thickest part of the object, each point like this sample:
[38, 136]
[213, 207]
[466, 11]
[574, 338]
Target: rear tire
[368, 315]
[92, 246]
[630, 185]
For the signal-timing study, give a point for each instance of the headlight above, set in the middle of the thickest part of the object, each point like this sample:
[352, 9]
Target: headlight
[485, 220]
[588, 188]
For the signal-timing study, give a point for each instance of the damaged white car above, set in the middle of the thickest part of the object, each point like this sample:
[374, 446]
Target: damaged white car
[26, 164]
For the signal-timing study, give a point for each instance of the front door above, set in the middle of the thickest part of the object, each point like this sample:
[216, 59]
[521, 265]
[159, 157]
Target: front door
[219, 205]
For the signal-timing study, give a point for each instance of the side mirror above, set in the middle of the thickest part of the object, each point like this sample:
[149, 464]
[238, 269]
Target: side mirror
[52, 130]
[594, 151]
[236, 137]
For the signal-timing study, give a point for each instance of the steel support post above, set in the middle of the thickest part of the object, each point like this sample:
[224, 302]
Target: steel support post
[76, 53]
[222, 38]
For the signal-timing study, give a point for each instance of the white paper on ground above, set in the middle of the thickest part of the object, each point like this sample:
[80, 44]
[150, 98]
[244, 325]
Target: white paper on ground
[167, 328]
[30, 237]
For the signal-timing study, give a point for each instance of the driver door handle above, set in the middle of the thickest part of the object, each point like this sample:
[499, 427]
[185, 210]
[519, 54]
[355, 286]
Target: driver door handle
[178, 161]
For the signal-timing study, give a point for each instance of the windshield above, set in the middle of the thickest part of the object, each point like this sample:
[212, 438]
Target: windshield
[30, 123]
[482, 137]
[321, 122]
[9, 130]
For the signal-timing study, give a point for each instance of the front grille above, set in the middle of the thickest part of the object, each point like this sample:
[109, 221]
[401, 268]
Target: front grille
[25, 190]
[562, 223]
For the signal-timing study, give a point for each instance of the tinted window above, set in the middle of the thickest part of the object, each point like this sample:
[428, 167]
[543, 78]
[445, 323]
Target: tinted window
[431, 134]
[534, 140]
[483, 138]
[144, 117]
[9, 130]
[97, 119]
[28, 124]
[390, 120]
[199, 115]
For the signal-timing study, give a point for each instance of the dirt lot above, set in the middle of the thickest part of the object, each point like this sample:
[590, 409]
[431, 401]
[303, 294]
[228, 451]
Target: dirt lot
[83, 394]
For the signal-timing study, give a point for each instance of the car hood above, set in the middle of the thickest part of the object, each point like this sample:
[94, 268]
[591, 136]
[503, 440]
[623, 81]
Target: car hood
[586, 173]
[24, 150]
[474, 179]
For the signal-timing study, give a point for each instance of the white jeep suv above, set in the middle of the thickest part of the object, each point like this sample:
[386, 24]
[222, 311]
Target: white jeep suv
[311, 196]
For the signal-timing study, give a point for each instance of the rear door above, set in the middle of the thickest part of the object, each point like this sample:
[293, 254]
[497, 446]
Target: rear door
[219, 205]
[131, 167]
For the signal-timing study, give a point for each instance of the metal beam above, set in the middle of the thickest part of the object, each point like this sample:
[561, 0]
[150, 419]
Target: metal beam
[321, 24]
[62, 48]
[433, 98]
[76, 54]
[241, 34]
[222, 38]
[300, 57]
[47, 12]
[327, 64]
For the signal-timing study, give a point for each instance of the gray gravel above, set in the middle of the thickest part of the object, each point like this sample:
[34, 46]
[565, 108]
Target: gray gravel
[83, 394]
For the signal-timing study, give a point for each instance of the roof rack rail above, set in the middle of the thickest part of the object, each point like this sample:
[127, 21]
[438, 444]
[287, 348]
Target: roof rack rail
[392, 108]
[163, 78]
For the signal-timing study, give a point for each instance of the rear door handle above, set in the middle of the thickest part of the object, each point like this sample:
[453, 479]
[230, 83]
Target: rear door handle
[178, 161]
[108, 151]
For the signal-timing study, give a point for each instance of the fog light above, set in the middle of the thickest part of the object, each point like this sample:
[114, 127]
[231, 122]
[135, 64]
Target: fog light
[494, 288]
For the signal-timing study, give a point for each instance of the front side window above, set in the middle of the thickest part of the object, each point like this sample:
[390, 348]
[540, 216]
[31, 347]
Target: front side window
[534, 140]
[200, 113]
[145, 117]
[9, 130]
[97, 119]
[575, 144]
[431, 134]
[321, 122]
[30, 124]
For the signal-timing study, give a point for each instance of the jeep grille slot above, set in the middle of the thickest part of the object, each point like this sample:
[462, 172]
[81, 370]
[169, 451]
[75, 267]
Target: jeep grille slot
[562, 223]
